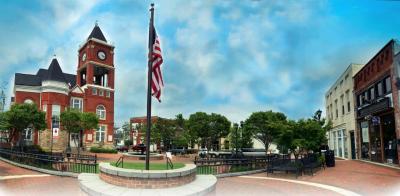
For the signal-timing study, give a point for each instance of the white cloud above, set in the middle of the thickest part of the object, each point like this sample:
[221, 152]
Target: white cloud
[68, 13]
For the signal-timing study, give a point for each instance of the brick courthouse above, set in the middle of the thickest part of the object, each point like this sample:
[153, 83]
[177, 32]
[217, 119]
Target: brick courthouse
[90, 90]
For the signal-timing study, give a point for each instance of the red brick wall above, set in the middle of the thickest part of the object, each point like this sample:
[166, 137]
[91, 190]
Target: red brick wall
[375, 69]
[20, 97]
[147, 183]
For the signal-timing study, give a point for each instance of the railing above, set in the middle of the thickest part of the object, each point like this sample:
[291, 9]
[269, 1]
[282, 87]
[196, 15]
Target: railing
[58, 162]
[120, 161]
[219, 166]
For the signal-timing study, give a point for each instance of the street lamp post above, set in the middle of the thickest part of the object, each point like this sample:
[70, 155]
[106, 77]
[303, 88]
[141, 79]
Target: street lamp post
[236, 127]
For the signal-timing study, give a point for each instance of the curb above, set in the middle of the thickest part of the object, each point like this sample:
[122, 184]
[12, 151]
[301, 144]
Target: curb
[378, 164]
[46, 171]
[240, 173]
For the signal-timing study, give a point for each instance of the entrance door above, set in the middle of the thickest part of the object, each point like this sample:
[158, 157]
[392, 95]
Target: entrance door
[74, 140]
[353, 145]
[376, 146]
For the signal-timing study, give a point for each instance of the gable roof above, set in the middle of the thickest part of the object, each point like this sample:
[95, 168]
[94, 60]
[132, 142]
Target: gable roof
[97, 33]
[53, 73]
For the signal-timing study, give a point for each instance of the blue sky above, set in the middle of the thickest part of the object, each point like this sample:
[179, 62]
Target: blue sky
[228, 57]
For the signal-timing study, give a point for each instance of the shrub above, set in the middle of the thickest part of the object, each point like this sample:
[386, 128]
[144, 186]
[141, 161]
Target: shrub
[128, 142]
[102, 150]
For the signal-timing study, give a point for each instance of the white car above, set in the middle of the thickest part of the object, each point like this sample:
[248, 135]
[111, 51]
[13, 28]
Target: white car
[203, 152]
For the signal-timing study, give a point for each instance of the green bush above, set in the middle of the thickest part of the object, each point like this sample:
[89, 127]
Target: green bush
[102, 150]
[128, 142]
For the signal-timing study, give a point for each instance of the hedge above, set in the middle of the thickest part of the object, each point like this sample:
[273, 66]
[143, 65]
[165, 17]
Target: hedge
[102, 150]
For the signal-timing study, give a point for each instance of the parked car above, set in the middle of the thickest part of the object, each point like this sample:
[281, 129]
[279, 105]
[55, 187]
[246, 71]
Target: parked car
[139, 147]
[122, 148]
[178, 150]
[203, 152]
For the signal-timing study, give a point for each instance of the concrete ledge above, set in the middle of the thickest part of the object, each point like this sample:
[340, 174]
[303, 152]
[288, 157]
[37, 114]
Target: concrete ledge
[93, 185]
[240, 173]
[136, 173]
[46, 171]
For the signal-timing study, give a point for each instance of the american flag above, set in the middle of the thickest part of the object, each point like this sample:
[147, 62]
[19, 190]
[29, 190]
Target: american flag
[156, 81]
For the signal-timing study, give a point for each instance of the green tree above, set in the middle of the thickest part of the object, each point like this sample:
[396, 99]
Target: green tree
[219, 127]
[265, 126]
[21, 117]
[199, 126]
[75, 121]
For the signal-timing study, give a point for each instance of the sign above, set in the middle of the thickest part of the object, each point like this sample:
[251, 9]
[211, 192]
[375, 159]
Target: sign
[89, 137]
[376, 120]
[110, 138]
[55, 132]
[382, 105]
[364, 131]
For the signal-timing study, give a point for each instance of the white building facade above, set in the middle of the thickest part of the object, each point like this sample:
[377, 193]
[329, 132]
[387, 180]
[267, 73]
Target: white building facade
[339, 107]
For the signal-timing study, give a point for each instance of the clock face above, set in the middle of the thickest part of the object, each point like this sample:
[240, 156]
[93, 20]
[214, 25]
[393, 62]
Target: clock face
[84, 57]
[101, 55]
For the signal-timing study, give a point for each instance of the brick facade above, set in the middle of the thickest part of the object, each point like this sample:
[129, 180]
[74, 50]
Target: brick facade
[379, 74]
[95, 73]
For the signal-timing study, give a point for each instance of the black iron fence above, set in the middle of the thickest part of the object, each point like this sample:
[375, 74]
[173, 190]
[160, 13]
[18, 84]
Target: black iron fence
[212, 165]
[76, 163]
[220, 165]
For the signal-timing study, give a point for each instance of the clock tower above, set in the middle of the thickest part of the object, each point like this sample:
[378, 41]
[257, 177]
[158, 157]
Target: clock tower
[95, 77]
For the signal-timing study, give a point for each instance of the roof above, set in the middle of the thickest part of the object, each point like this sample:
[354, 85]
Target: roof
[97, 33]
[53, 73]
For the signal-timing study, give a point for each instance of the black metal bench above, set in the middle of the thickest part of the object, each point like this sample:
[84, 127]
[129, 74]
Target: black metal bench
[310, 163]
[286, 165]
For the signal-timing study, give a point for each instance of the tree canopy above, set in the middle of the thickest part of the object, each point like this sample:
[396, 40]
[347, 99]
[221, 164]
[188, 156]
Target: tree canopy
[20, 117]
[265, 126]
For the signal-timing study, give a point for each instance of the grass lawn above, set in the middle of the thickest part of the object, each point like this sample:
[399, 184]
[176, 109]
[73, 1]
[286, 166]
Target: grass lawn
[153, 166]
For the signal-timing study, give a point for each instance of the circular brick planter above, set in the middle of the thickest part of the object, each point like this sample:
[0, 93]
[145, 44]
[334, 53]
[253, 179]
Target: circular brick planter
[147, 179]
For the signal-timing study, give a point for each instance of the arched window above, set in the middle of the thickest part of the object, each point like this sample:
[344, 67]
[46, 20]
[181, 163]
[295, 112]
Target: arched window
[101, 112]
[29, 101]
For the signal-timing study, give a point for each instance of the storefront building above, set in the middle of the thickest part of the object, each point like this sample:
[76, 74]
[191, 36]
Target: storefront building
[339, 107]
[377, 113]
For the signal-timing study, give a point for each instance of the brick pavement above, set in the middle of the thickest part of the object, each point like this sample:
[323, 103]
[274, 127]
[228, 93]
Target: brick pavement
[359, 177]
[32, 186]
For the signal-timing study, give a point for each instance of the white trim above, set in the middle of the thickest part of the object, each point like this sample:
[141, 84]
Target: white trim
[24, 88]
[96, 86]
[318, 185]
[77, 89]
[23, 176]
[96, 40]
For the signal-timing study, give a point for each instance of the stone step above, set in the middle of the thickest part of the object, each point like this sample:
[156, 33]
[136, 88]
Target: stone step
[94, 186]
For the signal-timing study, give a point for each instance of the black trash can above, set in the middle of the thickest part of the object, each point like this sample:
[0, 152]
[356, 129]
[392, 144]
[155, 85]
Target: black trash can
[330, 158]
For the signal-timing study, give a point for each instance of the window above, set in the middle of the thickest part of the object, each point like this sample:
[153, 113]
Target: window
[101, 112]
[372, 93]
[380, 89]
[77, 103]
[101, 93]
[55, 115]
[29, 101]
[348, 106]
[342, 109]
[366, 97]
[27, 134]
[94, 91]
[100, 133]
[388, 85]
[108, 94]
